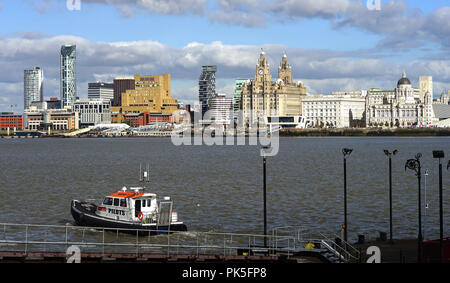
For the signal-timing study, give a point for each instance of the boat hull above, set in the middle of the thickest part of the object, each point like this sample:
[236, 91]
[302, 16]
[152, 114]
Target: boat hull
[84, 215]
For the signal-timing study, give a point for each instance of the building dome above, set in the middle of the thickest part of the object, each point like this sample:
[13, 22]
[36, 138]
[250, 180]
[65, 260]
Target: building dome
[403, 81]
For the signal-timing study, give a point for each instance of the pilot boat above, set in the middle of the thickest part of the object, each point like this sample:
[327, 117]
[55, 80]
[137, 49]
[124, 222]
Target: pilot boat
[130, 209]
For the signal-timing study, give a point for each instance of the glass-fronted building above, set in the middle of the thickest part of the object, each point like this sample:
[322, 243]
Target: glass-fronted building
[68, 75]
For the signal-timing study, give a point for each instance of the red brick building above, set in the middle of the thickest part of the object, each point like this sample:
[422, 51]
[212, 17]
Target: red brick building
[147, 118]
[10, 120]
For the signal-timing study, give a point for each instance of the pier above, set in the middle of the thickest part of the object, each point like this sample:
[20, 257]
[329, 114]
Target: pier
[47, 243]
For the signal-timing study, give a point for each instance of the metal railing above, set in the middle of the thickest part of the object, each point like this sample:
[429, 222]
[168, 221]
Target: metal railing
[39, 238]
[287, 240]
[303, 237]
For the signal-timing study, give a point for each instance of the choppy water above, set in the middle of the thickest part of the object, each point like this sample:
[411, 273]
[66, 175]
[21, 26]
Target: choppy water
[219, 188]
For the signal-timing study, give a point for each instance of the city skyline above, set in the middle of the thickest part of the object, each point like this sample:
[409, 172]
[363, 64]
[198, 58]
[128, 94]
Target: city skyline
[415, 43]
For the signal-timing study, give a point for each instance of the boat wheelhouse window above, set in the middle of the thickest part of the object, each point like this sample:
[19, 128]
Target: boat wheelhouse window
[143, 203]
[108, 201]
[123, 202]
[116, 202]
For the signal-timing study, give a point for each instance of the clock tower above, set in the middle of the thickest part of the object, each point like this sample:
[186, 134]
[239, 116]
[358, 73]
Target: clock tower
[263, 69]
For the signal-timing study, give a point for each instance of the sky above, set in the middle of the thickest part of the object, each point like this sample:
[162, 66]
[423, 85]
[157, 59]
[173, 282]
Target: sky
[338, 45]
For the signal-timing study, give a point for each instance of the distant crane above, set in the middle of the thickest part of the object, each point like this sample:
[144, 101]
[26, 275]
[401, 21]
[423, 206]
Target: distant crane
[12, 106]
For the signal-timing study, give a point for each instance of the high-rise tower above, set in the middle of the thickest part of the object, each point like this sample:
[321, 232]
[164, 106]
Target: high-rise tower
[68, 83]
[207, 86]
[33, 86]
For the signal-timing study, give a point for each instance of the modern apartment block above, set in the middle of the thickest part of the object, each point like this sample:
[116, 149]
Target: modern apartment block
[100, 90]
[68, 83]
[33, 86]
[207, 86]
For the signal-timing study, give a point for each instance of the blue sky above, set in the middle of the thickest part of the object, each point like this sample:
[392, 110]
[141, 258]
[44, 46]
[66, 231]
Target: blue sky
[331, 45]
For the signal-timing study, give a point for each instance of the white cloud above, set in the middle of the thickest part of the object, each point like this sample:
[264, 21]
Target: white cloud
[168, 7]
[322, 70]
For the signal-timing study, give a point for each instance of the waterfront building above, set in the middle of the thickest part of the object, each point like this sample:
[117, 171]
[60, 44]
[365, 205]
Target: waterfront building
[9, 120]
[262, 97]
[68, 83]
[54, 119]
[207, 87]
[221, 109]
[147, 118]
[93, 111]
[150, 94]
[33, 89]
[401, 107]
[238, 85]
[121, 85]
[100, 90]
[340, 111]
[53, 103]
[443, 99]
[425, 85]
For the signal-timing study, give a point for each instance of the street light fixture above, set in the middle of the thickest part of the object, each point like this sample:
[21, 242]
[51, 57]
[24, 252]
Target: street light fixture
[389, 154]
[414, 165]
[438, 154]
[264, 151]
[346, 152]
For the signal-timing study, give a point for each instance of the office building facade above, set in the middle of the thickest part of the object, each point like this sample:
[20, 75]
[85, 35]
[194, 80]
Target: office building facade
[339, 111]
[121, 85]
[100, 90]
[150, 94]
[399, 108]
[221, 109]
[262, 97]
[93, 111]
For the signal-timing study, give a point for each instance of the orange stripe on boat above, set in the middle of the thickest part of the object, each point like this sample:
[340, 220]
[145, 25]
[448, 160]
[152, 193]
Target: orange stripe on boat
[126, 195]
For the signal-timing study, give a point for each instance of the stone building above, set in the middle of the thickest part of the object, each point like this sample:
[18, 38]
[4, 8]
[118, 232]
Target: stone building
[340, 111]
[402, 107]
[262, 97]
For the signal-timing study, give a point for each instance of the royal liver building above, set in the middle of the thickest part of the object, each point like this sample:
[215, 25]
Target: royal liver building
[403, 107]
[262, 97]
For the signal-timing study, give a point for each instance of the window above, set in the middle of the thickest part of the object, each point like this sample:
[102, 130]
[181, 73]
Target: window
[116, 202]
[143, 203]
[108, 201]
[123, 202]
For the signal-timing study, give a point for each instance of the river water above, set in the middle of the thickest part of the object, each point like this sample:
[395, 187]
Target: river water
[219, 188]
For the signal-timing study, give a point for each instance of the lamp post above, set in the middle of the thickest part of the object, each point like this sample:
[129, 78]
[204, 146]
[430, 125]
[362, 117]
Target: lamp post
[426, 208]
[346, 152]
[263, 153]
[414, 165]
[390, 154]
[438, 154]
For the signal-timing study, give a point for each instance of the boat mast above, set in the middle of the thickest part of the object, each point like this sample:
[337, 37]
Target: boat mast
[144, 175]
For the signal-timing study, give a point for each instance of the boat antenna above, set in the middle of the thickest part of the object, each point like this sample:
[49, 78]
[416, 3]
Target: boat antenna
[144, 175]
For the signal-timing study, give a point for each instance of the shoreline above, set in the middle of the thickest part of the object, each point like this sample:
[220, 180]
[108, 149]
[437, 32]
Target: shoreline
[285, 133]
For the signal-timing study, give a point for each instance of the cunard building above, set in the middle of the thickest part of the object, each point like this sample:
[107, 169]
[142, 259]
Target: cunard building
[402, 107]
[262, 97]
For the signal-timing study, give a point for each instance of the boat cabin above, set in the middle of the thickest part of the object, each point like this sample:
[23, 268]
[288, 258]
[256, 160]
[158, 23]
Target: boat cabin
[133, 205]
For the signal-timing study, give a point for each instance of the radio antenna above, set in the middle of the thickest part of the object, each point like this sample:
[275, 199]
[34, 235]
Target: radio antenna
[144, 175]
